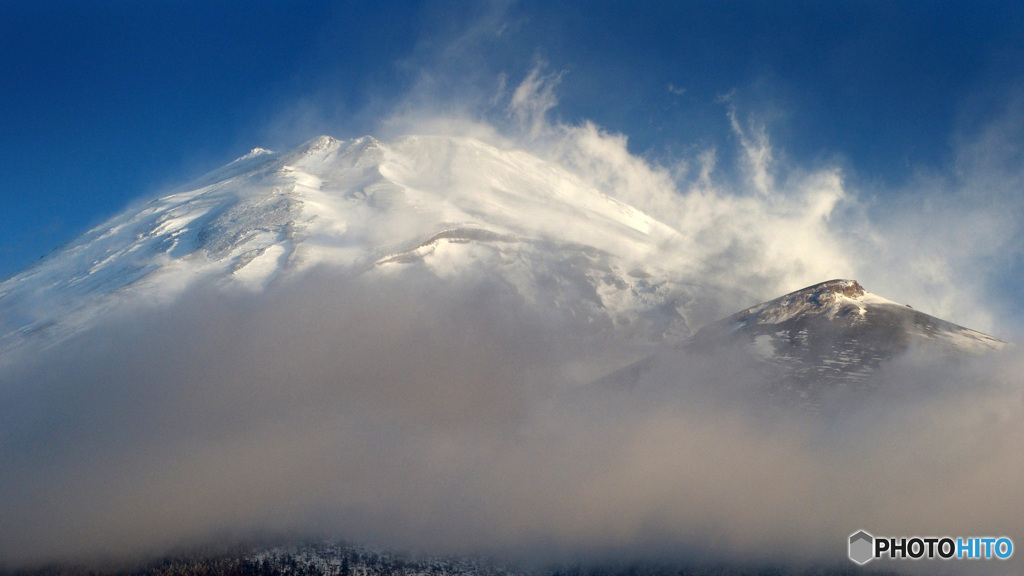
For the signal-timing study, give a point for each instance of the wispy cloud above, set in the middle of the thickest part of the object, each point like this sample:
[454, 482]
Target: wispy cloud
[533, 99]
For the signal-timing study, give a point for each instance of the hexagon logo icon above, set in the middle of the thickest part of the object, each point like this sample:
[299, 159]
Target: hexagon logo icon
[861, 547]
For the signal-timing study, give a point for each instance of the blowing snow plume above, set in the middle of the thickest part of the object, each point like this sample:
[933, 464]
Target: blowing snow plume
[391, 343]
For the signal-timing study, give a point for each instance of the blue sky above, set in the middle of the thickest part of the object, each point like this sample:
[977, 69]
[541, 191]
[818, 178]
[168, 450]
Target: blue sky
[103, 103]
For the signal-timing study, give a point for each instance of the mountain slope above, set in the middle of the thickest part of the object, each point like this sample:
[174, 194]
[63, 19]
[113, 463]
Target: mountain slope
[454, 206]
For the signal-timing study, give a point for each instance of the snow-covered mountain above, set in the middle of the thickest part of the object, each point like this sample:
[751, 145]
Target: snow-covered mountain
[209, 363]
[806, 343]
[867, 324]
[457, 209]
[454, 206]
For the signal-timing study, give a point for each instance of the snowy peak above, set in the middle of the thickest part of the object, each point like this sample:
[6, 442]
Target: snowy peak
[318, 147]
[844, 306]
[829, 335]
[835, 333]
[838, 300]
[322, 142]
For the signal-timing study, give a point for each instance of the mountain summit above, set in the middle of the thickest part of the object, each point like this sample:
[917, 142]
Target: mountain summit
[845, 309]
